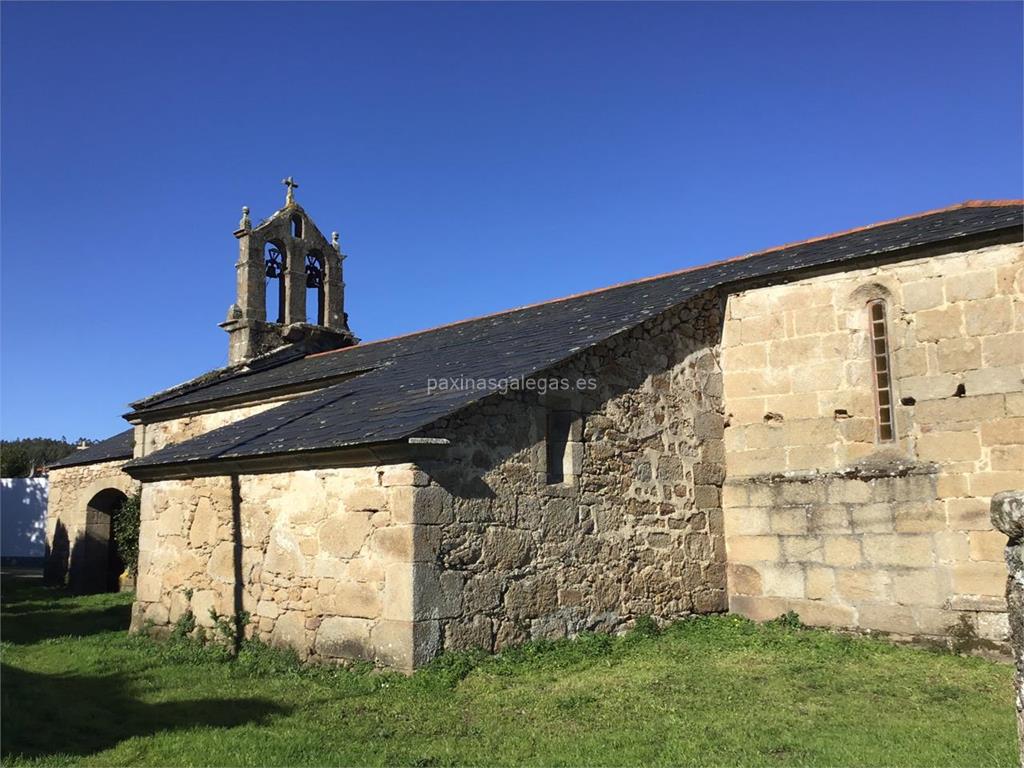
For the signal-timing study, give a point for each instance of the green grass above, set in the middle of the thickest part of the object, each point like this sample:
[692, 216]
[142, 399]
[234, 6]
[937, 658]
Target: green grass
[76, 689]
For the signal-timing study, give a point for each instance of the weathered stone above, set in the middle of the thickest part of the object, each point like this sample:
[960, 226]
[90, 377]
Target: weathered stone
[344, 534]
[345, 638]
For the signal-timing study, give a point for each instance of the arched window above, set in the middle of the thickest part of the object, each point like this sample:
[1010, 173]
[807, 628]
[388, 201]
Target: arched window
[296, 225]
[274, 256]
[881, 367]
[314, 288]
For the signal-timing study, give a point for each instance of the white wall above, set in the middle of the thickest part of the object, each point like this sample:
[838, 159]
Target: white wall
[23, 516]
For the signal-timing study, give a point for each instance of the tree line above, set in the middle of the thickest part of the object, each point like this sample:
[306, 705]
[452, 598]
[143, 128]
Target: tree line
[19, 457]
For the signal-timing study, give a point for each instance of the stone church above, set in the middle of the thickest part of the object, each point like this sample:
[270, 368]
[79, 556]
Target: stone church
[817, 427]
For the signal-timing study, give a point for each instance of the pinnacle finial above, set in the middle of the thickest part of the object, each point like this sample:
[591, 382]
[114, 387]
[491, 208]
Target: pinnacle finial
[245, 223]
[335, 242]
[292, 185]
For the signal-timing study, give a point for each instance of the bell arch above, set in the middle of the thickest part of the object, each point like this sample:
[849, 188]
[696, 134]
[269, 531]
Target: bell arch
[315, 288]
[274, 259]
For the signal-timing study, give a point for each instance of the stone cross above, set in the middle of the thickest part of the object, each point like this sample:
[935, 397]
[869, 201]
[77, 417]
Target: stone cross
[1007, 511]
[292, 185]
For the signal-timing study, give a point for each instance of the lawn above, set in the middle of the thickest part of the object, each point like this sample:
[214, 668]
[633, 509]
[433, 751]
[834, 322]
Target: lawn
[76, 689]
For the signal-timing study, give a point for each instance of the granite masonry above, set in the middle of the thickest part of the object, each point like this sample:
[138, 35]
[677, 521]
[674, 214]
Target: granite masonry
[816, 428]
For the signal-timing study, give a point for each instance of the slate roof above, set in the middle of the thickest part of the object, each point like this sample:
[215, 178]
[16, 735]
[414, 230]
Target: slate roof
[386, 397]
[120, 446]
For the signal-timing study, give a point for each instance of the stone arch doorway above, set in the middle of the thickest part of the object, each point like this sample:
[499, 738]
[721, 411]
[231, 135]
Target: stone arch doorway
[96, 565]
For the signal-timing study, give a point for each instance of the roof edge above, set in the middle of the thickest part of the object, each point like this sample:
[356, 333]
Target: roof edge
[1007, 203]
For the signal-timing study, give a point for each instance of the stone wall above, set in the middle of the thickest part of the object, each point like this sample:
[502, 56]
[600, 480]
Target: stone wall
[320, 559]
[822, 518]
[67, 516]
[1007, 514]
[634, 529]
[160, 434]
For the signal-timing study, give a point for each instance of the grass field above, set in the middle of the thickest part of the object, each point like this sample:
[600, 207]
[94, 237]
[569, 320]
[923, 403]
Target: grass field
[76, 689]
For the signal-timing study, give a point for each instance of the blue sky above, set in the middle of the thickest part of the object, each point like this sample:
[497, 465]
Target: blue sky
[474, 157]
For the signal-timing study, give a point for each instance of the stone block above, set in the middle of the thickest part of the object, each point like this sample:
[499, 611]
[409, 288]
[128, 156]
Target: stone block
[928, 587]
[759, 608]
[956, 355]
[706, 497]
[903, 550]
[802, 457]
[531, 597]
[1003, 350]
[817, 377]
[1007, 457]
[222, 563]
[936, 324]
[824, 614]
[393, 644]
[981, 578]
[506, 548]
[967, 514]
[863, 585]
[922, 294]
[828, 519]
[842, 550]
[951, 546]
[404, 475]
[897, 619]
[948, 486]
[743, 549]
[949, 446]
[205, 523]
[349, 598]
[398, 592]
[993, 626]
[987, 545]
[745, 357]
[935, 622]
[968, 286]
[147, 587]
[1003, 432]
[994, 381]
[910, 361]
[872, 518]
[802, 549]
[344, 638]
[988, 484]
[760, 328]
[476, 632]
[739, 384]
[791, 521]
[807, 323]
[988, 316]
[919, 517]
[363, 499]
[849, 492]
[744, 521]
[748, 463]
[820, 583]
[343, 534]
[284, 557]
[782, 580]
[744, 580]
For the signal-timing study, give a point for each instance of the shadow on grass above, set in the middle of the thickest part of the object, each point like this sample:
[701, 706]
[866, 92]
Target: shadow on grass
[32, 612]
[81, 715]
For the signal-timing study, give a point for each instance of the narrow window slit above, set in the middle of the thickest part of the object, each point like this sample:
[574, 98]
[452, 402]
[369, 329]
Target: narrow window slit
[559, 424]
[884, 415]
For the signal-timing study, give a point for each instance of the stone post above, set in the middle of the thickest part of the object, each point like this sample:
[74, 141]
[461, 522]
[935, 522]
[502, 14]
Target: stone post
[295, 282]
[1008, 516]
